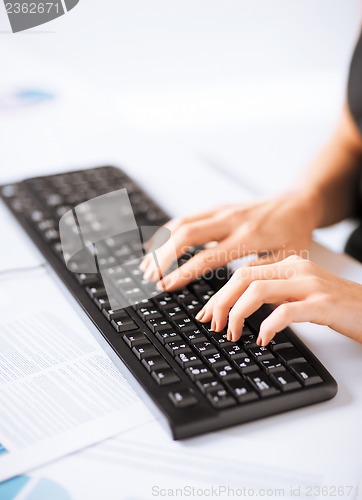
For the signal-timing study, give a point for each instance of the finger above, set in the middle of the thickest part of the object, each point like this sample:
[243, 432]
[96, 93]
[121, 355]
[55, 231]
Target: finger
[172, 225]
[146, 260]
[177, 222]
[203, 262]
[218, 307]
[265, 260]
[226, 297]
[212, 226]
[204, 214]
[259, 293]
[282, 316]
[194, 233]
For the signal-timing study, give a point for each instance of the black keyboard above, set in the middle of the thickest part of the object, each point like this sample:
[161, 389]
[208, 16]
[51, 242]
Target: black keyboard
[195, 378]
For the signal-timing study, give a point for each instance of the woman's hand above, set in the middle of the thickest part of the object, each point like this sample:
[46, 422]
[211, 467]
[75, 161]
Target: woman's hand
[300, 289]
[274, 229]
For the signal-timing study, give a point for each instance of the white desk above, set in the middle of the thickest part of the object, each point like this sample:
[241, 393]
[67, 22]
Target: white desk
[307, 440]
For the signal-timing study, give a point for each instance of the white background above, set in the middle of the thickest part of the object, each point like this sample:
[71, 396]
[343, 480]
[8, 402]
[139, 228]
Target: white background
[252, 87]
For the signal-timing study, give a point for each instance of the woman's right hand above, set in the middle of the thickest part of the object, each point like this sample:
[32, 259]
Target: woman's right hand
[273, 229]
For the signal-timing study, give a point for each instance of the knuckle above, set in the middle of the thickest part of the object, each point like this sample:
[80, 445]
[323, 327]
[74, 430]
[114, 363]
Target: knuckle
[284, 312]
[233, 315]
[306, 266]
[294, 258]
[182, 220]
[256, 287]
[186, 232]
[241, 273]
[202, 258]
[317, 284]
[218, 306]
[229, 212]
[231, 215]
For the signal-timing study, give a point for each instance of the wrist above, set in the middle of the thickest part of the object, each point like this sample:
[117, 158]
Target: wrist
[309, 204]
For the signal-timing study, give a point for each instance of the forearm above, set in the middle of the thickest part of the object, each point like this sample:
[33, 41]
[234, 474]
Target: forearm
[331, 183]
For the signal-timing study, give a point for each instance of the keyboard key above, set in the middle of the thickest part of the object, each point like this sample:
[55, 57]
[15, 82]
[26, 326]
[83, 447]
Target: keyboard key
[188, 359]
[279, 341]
[272, 365]
[102, 303]
[220, 339]
[145, 350]
[144, 303]
[220, 398]
[110, 314]
[306, 374]
[183, 398]
[178, 347]
[234, 352]
[174, 313]
[209, 384]
[164, 300]
[245, 365]
[185, 325]
[215, 359]
[205, 348]
[96, 291]
[247, 330]
[166, 337]
[181, 295]
[201, 286]
[157, 325]
[194, 336]
[87, 279]
[203, 291]
[248, 341]
[135, 338]
[193, 309]
[124, 325]
[198, 372]
[155, 362]
[226, 372]
[290, 355]
[260, 353]
[146, 313]
[133, 294]
[190, 299]
[285, 381]
[261, 383]
[241, 390]
[51, 235]
[165, 377]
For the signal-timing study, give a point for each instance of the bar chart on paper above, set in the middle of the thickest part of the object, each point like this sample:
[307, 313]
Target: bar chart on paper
[30, 489]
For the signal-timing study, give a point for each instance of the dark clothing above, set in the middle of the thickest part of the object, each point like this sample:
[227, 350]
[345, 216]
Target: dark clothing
[355, 85]
[354, 244]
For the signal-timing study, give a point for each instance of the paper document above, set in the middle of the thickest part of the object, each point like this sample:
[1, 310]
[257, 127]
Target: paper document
[59, 392]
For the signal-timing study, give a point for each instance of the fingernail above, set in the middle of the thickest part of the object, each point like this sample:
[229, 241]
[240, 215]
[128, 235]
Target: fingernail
[259, 341]
[161, 286]
[149, 272]
[229, 335]
[200, 314]
[143, 265]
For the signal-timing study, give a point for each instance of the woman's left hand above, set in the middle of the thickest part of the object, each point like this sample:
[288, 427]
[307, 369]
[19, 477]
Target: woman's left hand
[301, 291]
